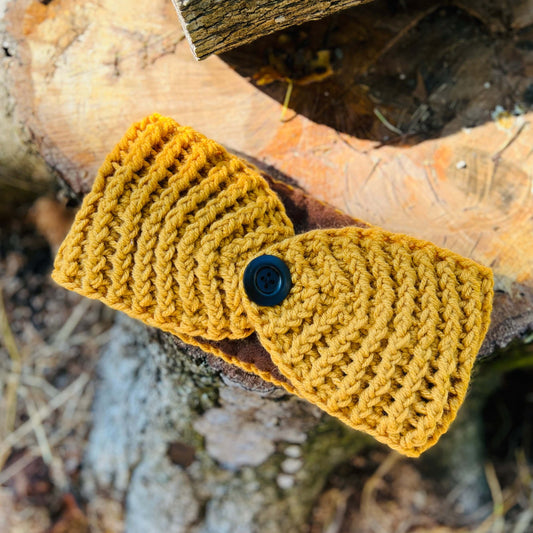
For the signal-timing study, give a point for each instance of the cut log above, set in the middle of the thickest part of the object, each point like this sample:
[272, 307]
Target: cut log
[469, 191]
[212, 26]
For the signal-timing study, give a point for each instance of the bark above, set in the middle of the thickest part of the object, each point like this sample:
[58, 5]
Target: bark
[24, 174]
[212, 26]
[190, 446]
[189, 449]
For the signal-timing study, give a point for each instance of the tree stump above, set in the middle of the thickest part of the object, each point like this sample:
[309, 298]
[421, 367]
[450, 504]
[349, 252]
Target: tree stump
[188, 442]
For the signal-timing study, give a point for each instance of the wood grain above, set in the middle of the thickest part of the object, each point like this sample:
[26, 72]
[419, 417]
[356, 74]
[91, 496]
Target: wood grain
[214, 26]
[84, 72]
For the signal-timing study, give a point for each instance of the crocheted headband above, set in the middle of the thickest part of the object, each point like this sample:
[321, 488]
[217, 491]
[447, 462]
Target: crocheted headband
[378, 329]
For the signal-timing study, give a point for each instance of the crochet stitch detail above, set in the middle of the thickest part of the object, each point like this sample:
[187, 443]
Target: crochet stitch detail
[379, 329]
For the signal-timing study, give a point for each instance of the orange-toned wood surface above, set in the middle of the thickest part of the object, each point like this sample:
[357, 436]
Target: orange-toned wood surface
[86, 70]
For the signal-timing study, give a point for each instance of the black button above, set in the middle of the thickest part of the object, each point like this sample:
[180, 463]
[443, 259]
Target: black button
[267, 280]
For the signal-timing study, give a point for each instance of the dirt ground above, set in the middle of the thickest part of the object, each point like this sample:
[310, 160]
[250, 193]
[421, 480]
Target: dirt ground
[432, 67]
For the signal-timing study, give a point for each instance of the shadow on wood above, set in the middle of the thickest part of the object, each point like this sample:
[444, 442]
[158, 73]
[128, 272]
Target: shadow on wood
[398, 75]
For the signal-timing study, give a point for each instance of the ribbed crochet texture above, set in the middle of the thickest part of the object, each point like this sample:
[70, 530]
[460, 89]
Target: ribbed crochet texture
[170, 222]
[379, 329]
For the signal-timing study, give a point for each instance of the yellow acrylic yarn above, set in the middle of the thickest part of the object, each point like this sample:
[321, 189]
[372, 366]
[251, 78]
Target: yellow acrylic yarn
[169, 224]
[379, 329]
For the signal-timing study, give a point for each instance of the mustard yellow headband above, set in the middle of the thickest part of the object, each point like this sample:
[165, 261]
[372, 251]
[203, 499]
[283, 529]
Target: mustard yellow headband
[378, 329]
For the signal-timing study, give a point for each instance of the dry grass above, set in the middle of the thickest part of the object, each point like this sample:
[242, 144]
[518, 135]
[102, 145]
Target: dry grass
[49, 345]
